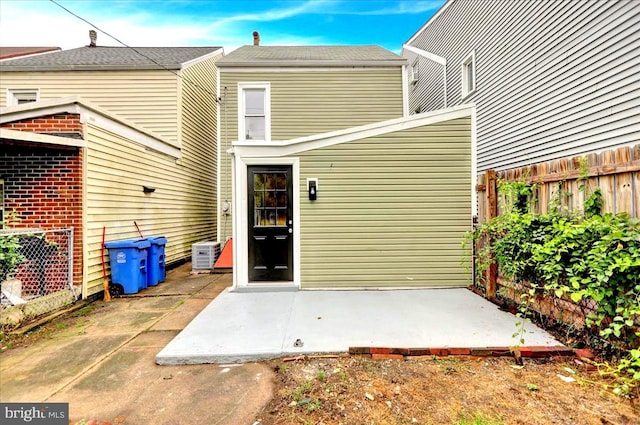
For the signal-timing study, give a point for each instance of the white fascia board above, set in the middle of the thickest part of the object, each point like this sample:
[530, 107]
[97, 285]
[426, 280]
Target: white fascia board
[314, 63]
[432, 19]
[30, 110]
[27, 136]
[276, 69]
[201, 58]
[317, 141]
[130, 132]
[431, 56]
[405, 92]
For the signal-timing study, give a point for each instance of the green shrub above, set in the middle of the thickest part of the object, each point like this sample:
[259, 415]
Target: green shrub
[584, 255]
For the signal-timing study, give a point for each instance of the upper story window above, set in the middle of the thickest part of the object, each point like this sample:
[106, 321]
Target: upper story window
[469, 74]
[20, 96]
[254, 111]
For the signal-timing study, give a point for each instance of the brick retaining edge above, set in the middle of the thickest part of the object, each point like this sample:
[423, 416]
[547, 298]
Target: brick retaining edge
[383, 353]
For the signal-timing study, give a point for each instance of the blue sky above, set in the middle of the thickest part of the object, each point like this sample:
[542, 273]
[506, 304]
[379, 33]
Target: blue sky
[213, 22]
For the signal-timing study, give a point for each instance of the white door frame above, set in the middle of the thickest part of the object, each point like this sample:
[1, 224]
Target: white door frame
[241, 222]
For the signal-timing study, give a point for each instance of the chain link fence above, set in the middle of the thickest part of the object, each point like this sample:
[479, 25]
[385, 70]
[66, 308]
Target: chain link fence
[36, 272]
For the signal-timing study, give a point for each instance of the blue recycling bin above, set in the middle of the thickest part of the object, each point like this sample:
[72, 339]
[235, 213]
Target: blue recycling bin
[128, 260]
[157, 273]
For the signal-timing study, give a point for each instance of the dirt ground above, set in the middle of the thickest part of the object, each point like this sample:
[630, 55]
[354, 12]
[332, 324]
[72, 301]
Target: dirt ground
[448, 390]
[356, 390]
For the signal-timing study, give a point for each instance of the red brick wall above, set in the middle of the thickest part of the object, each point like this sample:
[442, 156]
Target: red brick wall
[61, 123]
[43, 185]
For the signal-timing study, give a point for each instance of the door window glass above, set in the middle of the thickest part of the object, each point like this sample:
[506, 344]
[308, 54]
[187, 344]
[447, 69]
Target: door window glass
[270, 199]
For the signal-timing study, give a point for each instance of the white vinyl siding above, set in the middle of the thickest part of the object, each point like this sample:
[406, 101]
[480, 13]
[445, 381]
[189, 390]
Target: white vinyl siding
[553, 78]
[391, 211]
[148, 99]
[182, 207]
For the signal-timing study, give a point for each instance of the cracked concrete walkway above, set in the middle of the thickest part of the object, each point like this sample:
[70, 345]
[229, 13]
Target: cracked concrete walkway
[102, 362]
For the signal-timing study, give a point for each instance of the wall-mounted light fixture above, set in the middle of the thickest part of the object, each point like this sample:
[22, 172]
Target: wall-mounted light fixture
[312, 188]
[147, 189]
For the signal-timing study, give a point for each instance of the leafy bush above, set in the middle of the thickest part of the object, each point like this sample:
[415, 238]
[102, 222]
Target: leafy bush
[583, 255]
[10, 255]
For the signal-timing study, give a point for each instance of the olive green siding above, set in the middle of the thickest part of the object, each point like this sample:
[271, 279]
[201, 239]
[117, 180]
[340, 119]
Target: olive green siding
[392, 210]
[305, 103]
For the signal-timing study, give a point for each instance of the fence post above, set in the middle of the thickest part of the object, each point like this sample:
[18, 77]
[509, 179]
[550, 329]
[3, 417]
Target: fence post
[70, 245]
[491, 274]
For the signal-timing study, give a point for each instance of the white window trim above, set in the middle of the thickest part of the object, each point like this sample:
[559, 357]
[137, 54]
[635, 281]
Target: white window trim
[467, 91]
[267, 108]
[13, 95]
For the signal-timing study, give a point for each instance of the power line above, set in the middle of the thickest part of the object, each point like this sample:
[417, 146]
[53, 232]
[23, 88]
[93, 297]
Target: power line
[137, 51]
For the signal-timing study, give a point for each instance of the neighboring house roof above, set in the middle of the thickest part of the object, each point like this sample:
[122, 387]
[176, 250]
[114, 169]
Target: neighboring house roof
[14, 52]
[111, 58]
[261, 56]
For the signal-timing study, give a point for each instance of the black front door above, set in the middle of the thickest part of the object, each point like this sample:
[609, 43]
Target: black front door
[270, 223]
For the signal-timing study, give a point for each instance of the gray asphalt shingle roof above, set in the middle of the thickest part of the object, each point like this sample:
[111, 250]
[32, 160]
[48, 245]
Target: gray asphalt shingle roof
[108, 58]
[311, 56]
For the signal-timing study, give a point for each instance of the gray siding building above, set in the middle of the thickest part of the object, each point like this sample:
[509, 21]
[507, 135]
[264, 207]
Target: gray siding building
[549, 78]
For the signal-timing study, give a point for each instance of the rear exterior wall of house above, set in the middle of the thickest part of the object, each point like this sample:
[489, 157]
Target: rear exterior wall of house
[391, 211]
[308, 102]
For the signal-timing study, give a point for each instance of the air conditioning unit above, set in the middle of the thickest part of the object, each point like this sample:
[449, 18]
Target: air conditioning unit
[204, 255]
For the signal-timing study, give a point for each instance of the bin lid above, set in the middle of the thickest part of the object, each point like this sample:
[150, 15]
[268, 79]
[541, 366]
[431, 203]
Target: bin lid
[157, 240]
[128, 243]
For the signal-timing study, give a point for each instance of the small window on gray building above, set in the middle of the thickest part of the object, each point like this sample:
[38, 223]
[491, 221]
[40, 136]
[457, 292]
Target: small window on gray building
[414, 72]
[469, 75]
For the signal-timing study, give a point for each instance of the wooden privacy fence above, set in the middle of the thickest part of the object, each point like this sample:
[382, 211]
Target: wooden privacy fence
[615, 172]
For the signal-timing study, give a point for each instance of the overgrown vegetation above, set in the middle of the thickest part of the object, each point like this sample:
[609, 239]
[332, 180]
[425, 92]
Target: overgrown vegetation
[10, 255]
[592, 258]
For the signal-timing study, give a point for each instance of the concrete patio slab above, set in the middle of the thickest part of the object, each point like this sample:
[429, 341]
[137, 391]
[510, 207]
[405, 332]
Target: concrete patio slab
[241, 327]
[169, 395]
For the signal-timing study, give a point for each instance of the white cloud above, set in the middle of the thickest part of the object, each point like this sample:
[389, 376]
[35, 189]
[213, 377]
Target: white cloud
[38, 23]
[368, 8]
[180, 23]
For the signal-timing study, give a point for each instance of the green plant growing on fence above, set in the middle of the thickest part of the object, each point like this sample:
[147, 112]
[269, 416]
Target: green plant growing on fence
[588, 257]
[518, 195]
[593, 201]
[10, 255]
